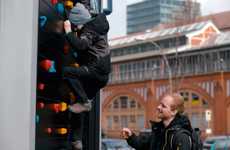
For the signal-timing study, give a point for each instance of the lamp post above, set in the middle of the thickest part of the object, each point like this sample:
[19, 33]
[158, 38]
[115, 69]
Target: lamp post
[222, 67]
[164, 58]
[155, 67]
[167, 64]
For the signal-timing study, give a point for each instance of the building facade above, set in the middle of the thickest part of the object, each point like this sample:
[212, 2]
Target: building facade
[150, 13]
[193, 60]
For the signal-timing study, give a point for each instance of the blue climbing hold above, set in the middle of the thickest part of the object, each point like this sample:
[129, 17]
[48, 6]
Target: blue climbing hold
[42, 21]
[60, 8]
[52, 68]
[37, 119]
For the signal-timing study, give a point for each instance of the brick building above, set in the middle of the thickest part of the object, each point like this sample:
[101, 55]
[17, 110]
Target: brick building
[194, 59]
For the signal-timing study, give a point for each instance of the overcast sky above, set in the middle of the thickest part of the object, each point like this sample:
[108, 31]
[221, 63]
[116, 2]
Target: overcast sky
[118, 18]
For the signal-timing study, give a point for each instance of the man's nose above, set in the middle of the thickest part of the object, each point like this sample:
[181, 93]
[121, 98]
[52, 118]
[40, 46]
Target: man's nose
[159, 107]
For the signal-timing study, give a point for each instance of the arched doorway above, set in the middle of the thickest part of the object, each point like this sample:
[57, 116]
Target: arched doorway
[196, 107]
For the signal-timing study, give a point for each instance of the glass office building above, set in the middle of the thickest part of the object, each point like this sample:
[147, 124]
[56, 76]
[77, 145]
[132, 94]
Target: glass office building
[150, 13]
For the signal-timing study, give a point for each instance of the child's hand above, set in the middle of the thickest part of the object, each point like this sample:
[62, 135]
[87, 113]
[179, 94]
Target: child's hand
[67, 26]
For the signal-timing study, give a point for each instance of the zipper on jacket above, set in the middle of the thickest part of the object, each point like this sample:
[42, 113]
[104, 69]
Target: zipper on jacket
[166, 139]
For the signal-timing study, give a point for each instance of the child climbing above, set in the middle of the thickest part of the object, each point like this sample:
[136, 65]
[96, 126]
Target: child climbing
[88, 37]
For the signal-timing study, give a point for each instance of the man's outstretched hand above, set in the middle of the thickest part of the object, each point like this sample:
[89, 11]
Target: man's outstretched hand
[126, 133]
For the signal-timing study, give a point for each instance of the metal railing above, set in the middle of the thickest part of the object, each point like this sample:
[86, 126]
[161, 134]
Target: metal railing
[157, 73]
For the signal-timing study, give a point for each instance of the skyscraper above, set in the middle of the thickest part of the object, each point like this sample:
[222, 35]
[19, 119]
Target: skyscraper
[150, 13]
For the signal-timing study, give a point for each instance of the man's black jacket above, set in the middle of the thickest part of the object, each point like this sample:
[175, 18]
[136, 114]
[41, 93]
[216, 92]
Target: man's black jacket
[162, 138]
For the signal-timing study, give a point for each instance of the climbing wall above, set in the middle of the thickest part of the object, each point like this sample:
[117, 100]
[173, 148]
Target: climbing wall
[51, 116]
[53, 130]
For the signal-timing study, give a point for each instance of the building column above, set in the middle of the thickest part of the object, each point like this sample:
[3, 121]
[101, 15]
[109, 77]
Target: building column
[151, 104]
[220, 109]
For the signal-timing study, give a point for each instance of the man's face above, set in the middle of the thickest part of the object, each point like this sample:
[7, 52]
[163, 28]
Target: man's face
[164, 108]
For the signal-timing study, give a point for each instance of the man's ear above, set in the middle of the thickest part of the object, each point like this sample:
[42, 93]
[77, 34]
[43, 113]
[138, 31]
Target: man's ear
[174, 112]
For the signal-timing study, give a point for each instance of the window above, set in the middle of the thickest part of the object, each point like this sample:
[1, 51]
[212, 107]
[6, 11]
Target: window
[140, 121]
[124, 101]
[115, 104]
[185, 95]
[204, 103]
[204, 122]
[109, 122]
[124, 121]
[132, 104]
[195, 120]
[131, 115]
[195, 99]
[115, 119]
[123, 71]
[132, 119]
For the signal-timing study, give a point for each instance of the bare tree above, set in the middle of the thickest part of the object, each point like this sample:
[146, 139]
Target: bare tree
[186, 15]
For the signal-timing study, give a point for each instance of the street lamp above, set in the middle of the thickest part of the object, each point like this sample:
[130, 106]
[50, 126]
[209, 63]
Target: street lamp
[164, 58]
[222, 67]
[155, 67]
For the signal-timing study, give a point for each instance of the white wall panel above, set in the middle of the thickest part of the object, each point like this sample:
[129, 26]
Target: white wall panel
[18, 53]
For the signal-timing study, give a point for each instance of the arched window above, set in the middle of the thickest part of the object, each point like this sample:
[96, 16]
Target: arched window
[195, 107]
[125, 111]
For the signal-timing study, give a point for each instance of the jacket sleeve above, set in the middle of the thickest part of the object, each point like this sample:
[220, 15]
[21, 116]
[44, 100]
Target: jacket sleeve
[182, 142]
[139, 142]
[80, 43]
